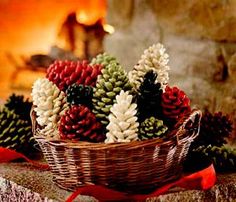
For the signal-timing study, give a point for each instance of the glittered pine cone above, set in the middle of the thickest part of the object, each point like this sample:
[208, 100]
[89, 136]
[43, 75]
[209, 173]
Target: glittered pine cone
[109, 84]
[79, 94]
[80, 124]
[65, 73]
[152, 128]
[175, 104]
[15, 133]
[20, 106]
[214, 129]
[103, 59]
[149, 97]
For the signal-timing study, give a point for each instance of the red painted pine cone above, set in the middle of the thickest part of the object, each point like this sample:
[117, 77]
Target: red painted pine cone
[79, 123]
[65, 73]
[175, 104]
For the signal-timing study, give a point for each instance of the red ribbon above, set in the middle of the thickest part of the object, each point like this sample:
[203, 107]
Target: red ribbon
[7, 155]
[202, 180]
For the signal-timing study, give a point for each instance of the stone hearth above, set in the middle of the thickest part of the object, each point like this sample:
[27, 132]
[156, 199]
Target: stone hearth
[21, 182]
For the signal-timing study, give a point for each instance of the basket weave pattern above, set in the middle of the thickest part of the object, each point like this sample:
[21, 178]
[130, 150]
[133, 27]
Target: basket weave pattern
[134, 166]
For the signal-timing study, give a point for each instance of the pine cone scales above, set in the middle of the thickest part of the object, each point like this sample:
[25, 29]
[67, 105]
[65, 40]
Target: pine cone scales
[103, 59]
[123, 125]
[149, 97]
[50, 103]
[175, 104]
[20, 106]
[112, 80]
[65, 73]
[14, 133]
[79, 123]
[224, 158]
[214, 129]
[154, 58]
[152, 128]
[79, 94]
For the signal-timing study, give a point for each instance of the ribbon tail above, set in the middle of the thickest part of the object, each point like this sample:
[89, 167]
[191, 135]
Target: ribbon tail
[100, 193]
[7, 155]
[203, 180]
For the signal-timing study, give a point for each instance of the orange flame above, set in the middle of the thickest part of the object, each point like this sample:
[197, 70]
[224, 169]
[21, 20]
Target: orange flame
[32, 25]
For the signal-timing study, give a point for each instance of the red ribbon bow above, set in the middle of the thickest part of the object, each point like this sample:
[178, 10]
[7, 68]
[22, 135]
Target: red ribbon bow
[202, 180]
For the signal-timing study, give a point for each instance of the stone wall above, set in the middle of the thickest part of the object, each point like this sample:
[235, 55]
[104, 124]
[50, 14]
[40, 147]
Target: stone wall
[200, 38]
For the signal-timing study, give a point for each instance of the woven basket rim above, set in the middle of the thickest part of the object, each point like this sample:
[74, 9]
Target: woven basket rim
[173, 140]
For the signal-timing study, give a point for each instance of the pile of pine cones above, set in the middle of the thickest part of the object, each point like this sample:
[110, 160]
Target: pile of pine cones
[100, 102]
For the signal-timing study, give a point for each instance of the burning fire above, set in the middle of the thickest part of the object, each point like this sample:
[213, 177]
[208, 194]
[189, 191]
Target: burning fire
[91, 11]
[32, 25]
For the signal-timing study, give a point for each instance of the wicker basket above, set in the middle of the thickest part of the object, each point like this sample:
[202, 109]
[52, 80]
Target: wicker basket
[136, 166]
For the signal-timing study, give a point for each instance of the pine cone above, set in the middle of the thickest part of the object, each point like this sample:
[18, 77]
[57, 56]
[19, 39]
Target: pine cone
[104, 60]
[109, 84]
[152, 128]
[65, 73]
[15, 133]
[20, 105]
[79, 94]
[214, 129]
[223, 158]
[50, 103]
[149, 97]
[154, 58]
[50, 131]
[175, 104]
[123, 125]
[80, 124]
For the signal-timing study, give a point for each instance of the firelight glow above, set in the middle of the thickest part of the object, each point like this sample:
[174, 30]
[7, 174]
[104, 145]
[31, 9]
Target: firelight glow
[108, 28]
[31, 26]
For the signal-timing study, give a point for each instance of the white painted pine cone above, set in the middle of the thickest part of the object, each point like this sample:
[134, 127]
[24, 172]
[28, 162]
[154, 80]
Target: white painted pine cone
[154, 58]
[50, 131]
[50, 103]
[123, 125]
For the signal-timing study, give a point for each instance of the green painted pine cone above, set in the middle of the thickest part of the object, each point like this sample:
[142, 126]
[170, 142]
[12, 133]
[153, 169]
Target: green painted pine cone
[223, 158]
[15, 133]
[20, 105]
[109, 84]
[152, 128]
[104, 59]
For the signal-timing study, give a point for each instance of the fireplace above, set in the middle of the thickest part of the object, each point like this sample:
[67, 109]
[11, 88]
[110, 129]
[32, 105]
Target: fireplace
[35, 33]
